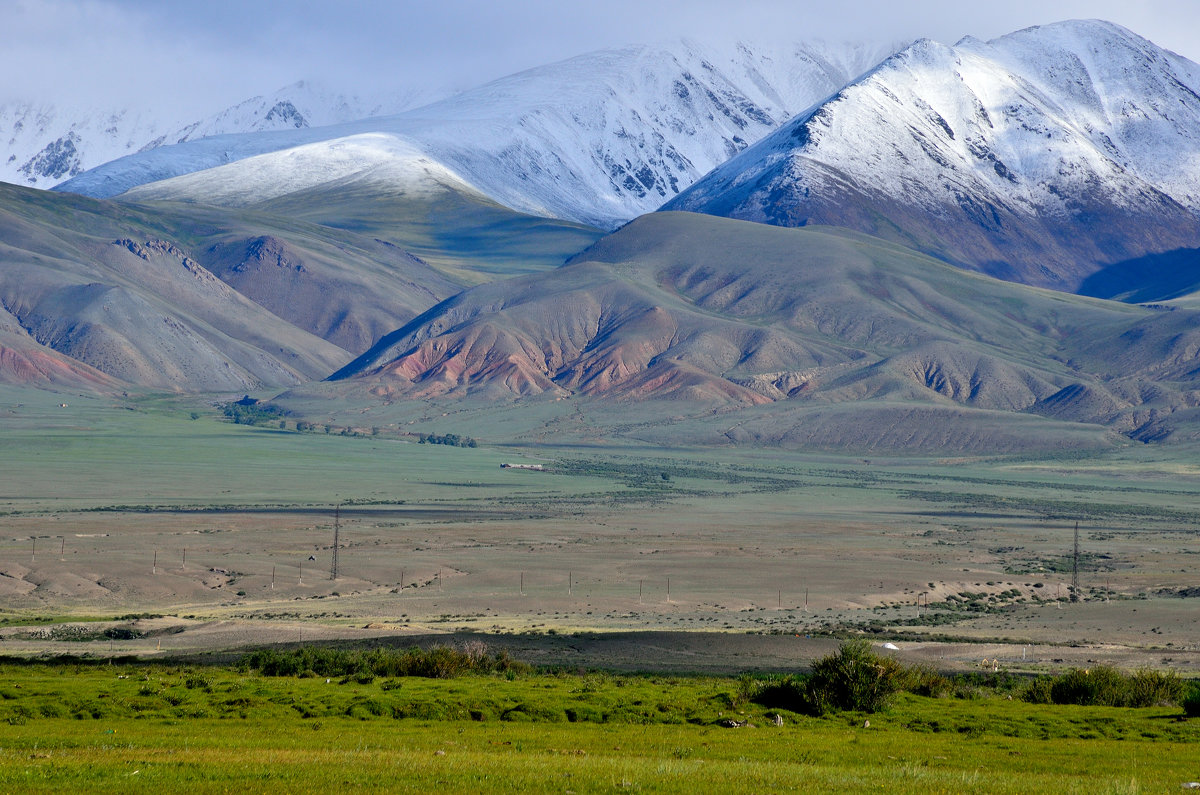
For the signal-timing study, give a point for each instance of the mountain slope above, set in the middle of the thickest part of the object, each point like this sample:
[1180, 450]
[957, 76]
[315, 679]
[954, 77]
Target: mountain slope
[84, 282]
[192, 298]
[718, 316]
[596, 139]
[1040, 157]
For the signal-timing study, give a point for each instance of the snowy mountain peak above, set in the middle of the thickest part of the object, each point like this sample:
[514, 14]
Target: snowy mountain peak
[45, 144]
[1040, 156]
[375, 157]
[599, 138]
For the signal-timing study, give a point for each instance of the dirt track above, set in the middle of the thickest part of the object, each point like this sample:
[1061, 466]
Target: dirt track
[674, 652]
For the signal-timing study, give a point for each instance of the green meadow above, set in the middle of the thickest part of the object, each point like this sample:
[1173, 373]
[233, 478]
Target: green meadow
[138, 727]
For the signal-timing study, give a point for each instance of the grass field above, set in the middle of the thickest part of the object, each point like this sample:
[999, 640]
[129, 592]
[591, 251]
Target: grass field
[144, 728]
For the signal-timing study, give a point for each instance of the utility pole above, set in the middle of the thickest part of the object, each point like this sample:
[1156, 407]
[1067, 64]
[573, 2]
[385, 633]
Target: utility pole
[337, 530]
[1075, 568]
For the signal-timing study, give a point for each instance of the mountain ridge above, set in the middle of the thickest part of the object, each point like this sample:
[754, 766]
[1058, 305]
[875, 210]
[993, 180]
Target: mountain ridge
[596, 139]
[47, 143]
[722, 316]
[1041, 156]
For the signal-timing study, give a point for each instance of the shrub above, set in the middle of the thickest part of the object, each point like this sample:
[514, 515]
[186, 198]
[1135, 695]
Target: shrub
[1100, 686]
[451, 439]
[855, 678]
[249, 412]
[1106, 686]
[748, 688]
[924, 680]
[1148, 688]
[1039, 691]
[1191, 701]
[781, 692]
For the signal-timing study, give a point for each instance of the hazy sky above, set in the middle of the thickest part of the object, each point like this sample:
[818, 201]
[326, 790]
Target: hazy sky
[206, 54]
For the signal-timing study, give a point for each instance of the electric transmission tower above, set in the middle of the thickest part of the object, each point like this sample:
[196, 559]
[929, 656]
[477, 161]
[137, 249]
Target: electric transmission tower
[337, 529]
[1075, 568]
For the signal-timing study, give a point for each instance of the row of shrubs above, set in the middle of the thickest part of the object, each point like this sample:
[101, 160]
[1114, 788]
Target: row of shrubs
[243, 412]
[1106, 686]
[438, 662]
[856, 678]
[451, 439]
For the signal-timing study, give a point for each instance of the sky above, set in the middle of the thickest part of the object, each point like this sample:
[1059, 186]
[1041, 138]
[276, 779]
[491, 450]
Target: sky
[209, 54]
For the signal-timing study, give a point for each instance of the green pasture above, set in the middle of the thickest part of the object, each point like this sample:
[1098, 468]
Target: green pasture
[135, 728]
[114, 452]
[100, 452]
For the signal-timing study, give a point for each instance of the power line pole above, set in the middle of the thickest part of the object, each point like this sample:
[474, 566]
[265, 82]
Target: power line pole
[1075, 568]
[337, 530]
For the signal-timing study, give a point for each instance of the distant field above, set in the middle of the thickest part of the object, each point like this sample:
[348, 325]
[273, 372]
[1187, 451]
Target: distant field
[110, 507]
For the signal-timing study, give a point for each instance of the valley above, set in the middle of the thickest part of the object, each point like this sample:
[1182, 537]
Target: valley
[133, 508]
[785, 340]
[512, 405]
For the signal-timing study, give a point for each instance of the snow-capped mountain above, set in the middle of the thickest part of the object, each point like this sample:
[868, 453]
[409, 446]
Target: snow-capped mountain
[44, 144]
[1040, 156]
[599, 138]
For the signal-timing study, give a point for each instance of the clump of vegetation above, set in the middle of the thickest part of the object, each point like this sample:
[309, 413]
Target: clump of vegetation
[925, 680]
[1191, 702]
[1106, 686]
[248, 411]
[855, 678]
[451, 439]
[438, 662]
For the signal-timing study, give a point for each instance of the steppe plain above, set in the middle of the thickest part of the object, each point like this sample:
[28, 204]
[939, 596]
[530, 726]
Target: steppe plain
[156, 515]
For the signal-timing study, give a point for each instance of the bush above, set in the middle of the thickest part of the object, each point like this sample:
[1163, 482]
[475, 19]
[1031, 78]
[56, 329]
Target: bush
[1039, 691]
[250, 412]
[451, 439]
[1106, 686]
[780, 692]
[1100, 686]
[1148, 688]
[1191, 701]
[924, 680]
[855, 678]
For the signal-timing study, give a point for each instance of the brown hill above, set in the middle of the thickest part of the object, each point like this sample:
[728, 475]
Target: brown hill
[196, 298]
[823, 337]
